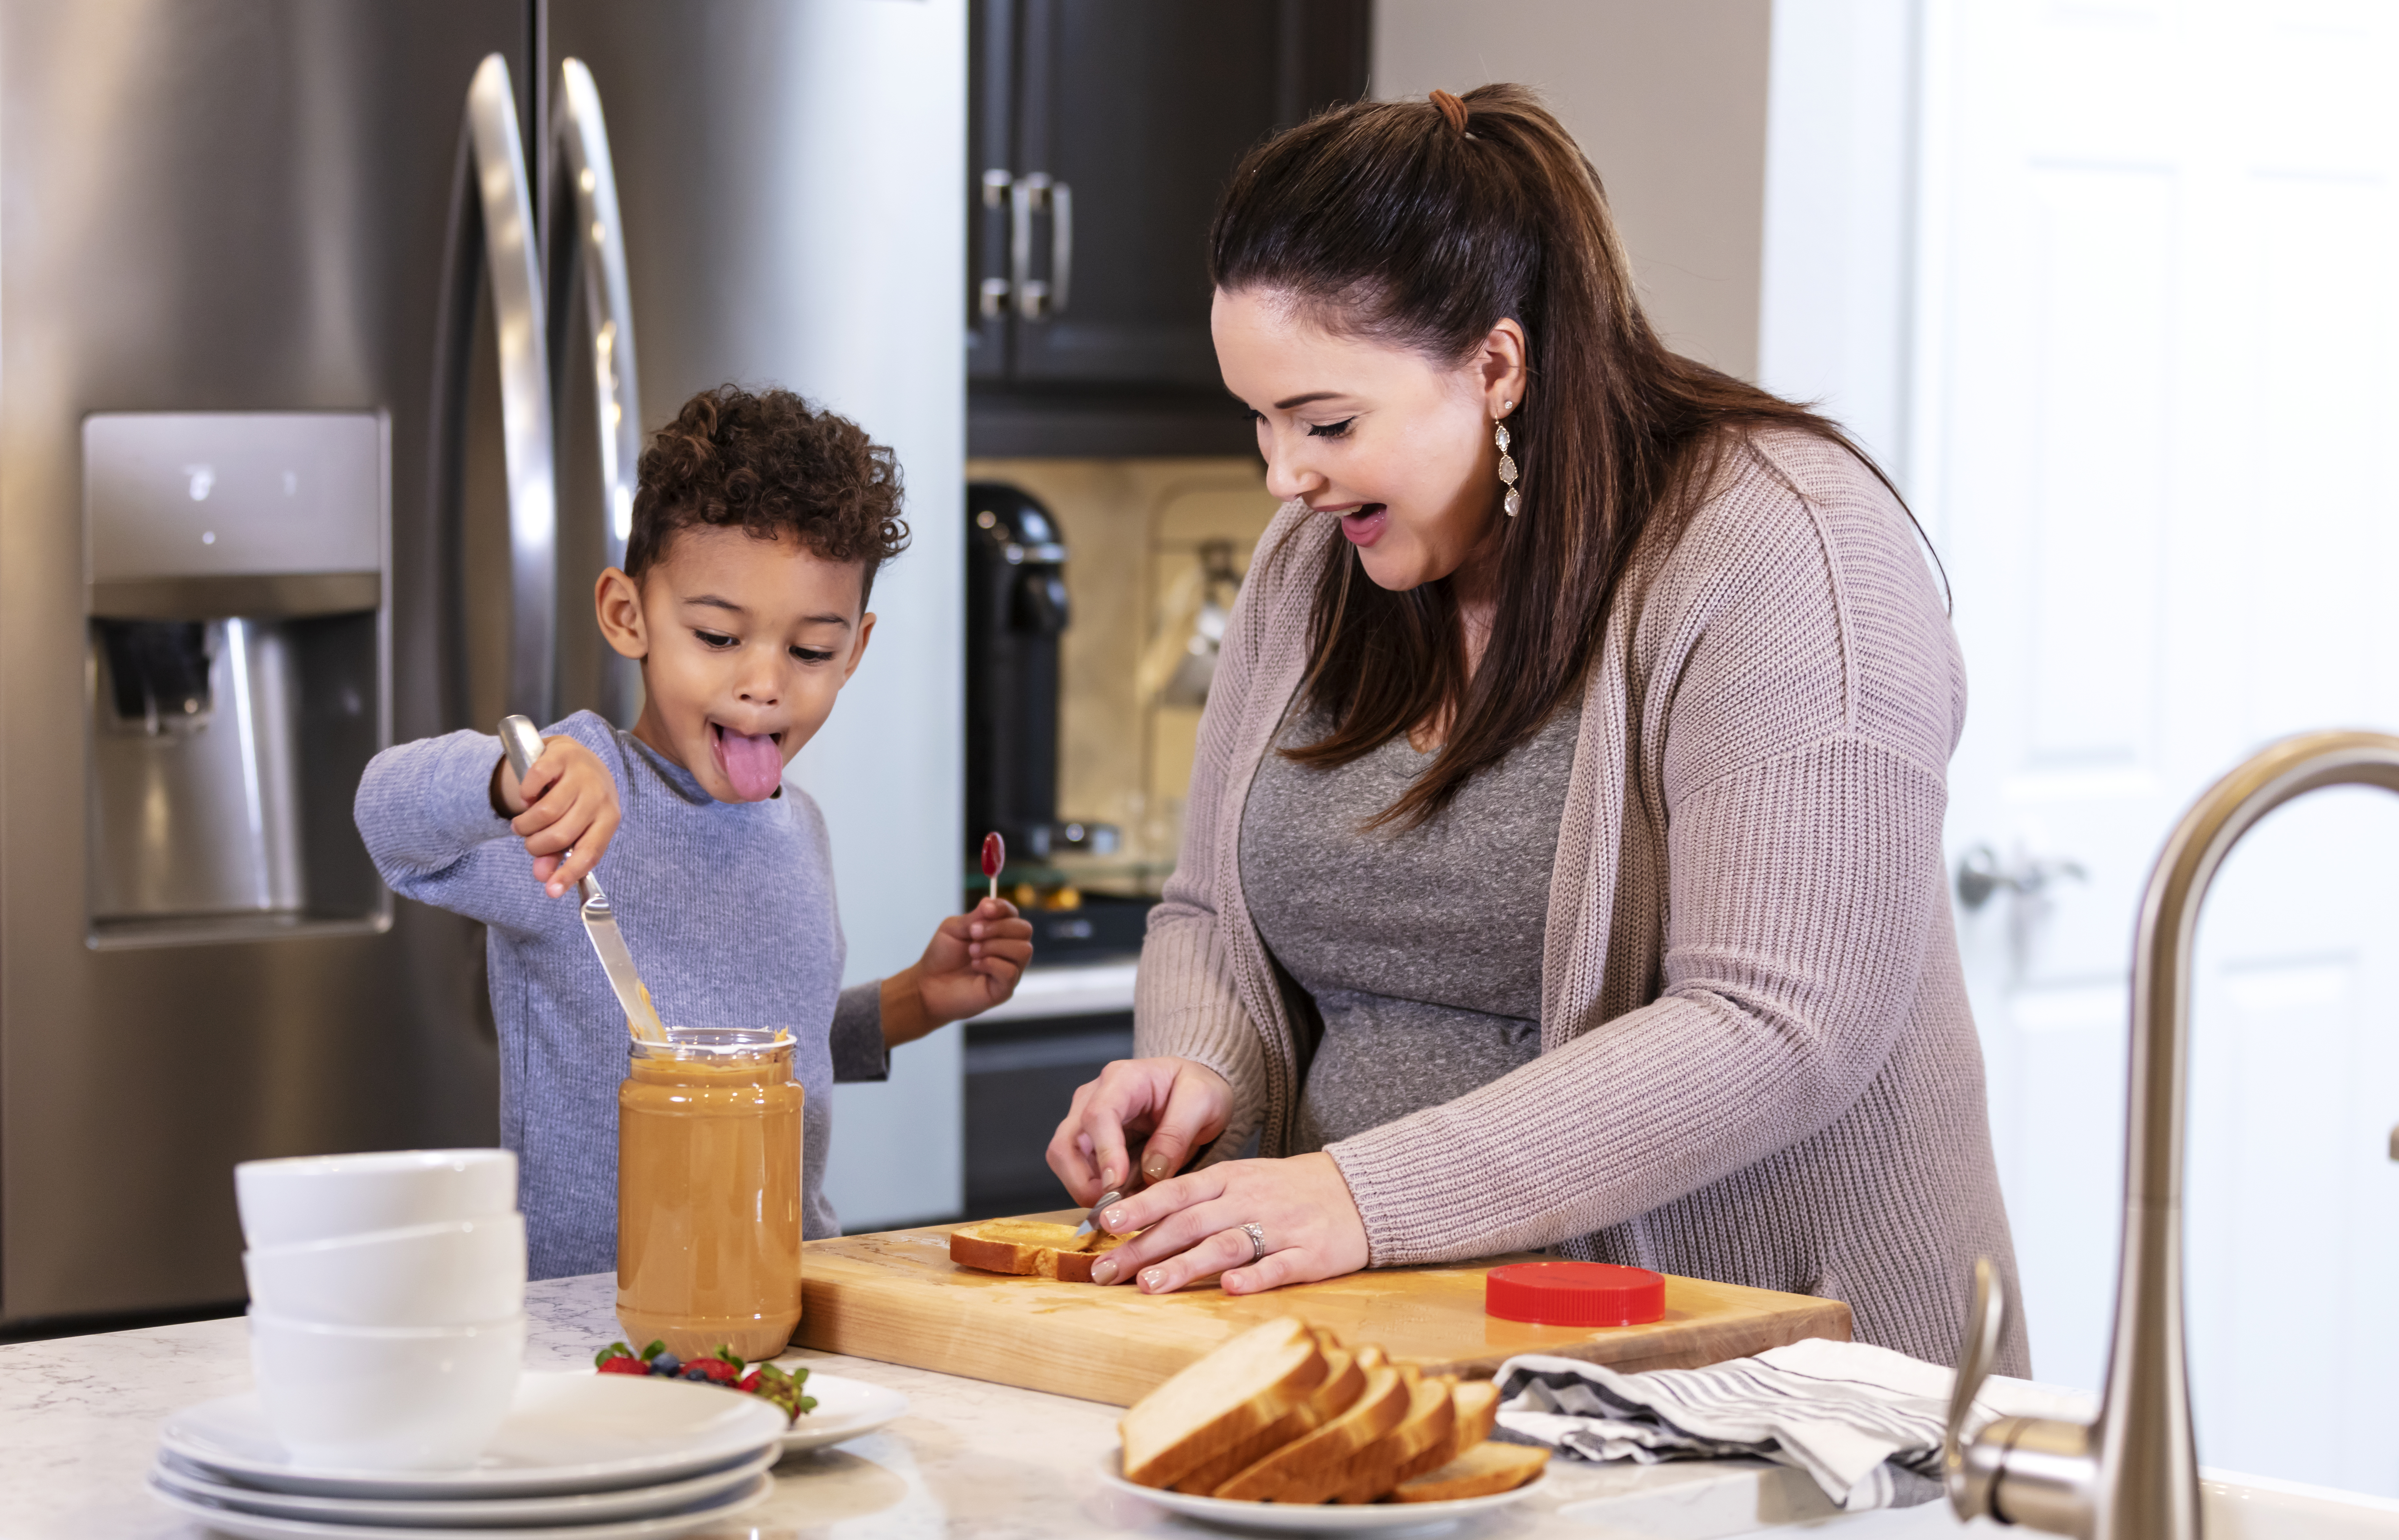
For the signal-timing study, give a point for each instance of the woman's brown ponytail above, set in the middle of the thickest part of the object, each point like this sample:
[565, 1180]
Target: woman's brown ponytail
[1423, 225]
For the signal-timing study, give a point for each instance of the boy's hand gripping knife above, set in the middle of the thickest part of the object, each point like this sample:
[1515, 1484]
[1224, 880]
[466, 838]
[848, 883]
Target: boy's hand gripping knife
[521, 740]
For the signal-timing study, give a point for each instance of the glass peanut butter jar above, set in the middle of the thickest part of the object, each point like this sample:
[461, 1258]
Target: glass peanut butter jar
[708, 1193]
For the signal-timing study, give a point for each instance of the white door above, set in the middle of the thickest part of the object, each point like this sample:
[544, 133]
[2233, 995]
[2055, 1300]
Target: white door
[2153, 435]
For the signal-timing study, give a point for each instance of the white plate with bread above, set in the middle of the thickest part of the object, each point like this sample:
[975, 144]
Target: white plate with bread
[1340, 1518]
[1287, 1428]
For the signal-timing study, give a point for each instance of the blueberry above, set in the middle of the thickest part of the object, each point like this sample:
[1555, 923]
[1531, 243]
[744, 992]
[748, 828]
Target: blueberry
[695, 1372]
[666, 1363]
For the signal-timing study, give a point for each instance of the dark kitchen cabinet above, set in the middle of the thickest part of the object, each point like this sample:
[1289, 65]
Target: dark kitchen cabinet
[1103, 131]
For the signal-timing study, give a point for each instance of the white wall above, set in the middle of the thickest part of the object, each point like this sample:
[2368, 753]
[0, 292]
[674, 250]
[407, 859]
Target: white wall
[800, 226]
[1836, 301]
[1669, 100]
[1758, 156]
[874, 264]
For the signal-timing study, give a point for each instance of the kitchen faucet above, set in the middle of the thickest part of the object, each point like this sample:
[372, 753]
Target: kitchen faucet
[2134, 1474]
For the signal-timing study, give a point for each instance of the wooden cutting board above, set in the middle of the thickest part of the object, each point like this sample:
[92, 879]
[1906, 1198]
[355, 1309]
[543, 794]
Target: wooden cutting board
[897, 1298]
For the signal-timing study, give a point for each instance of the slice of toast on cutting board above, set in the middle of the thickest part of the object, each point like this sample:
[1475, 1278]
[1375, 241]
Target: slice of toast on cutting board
[1031, 1248]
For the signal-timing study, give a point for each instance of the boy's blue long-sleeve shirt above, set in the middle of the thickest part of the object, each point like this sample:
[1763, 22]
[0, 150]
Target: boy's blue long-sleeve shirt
[727, 908]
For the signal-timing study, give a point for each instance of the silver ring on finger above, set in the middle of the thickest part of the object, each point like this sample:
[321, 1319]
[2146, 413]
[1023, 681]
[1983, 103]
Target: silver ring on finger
[1257, 1235]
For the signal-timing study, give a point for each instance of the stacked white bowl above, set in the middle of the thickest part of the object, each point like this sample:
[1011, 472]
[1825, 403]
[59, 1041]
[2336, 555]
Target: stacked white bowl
[386, 1314]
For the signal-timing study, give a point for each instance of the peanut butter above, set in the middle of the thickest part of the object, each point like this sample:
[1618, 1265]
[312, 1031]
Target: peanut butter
[708, 1193]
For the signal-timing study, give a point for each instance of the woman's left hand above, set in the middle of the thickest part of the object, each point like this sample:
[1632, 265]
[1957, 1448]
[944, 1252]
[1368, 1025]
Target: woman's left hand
[1191, 1227]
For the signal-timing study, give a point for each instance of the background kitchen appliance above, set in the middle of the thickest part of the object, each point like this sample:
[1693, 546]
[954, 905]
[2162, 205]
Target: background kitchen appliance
[1022, 1063]
[237, 661]
[1016, 609]
[318, 414]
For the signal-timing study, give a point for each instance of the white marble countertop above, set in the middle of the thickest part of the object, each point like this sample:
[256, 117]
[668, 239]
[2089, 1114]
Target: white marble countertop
[79, 1419]
[1068, 989]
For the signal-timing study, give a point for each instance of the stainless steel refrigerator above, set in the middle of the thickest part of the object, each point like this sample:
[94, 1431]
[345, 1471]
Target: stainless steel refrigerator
[329, 334]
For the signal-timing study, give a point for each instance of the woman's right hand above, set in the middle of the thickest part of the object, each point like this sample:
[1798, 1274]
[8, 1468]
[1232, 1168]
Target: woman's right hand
[1180, 1104]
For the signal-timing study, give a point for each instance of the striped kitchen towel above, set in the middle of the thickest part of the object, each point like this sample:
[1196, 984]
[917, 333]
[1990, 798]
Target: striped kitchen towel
[1864, 1421]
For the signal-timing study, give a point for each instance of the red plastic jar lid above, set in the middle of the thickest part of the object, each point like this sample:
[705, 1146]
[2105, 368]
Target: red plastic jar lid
[1574, 1294]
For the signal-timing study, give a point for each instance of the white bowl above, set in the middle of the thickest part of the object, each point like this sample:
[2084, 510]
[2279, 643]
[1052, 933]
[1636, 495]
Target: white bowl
[456, 1274]
[421, 1397]
[325, 1198]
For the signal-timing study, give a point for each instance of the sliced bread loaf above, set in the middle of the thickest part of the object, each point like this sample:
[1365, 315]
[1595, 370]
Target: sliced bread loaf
[1321, 1455]
[1343, 1383]
[1476, 1404]
[1218, 1402]
[1424, 1431]
[1486, 1469]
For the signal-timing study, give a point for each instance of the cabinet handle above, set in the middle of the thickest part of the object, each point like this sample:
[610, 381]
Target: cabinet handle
[992, 292]
[1025, 196]
[1062, 243]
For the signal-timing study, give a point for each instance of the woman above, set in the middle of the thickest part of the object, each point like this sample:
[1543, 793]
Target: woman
[1563, 865]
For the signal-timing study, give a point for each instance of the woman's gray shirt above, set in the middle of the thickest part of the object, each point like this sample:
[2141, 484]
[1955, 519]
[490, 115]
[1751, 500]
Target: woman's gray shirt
[1421, 948]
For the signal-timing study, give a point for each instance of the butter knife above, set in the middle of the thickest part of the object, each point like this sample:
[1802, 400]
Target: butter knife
[1091, 1221]
[521, 740]
[1109, 1199]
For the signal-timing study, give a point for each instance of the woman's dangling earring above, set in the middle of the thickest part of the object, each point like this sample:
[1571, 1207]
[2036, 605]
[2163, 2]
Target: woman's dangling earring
[1507, 467]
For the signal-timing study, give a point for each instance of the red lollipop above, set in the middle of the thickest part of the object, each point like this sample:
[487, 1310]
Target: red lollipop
[994, 855]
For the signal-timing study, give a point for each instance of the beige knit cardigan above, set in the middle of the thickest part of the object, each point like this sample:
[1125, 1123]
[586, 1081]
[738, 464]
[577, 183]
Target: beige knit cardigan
[1758, 1061]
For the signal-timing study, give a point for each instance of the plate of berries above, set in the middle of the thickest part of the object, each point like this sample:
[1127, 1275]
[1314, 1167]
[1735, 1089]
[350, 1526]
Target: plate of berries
[821, 1409]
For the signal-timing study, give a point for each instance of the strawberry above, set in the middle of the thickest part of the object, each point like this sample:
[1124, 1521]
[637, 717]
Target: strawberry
[624, 1364]
[714, 1371]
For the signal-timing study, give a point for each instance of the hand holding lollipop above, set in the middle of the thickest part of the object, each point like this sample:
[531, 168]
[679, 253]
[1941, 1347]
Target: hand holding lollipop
[972, 964]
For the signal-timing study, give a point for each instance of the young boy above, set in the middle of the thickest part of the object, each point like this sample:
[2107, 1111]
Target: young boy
[757, 530]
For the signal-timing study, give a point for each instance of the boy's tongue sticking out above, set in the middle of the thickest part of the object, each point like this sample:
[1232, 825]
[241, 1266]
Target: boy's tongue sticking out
[754, 766]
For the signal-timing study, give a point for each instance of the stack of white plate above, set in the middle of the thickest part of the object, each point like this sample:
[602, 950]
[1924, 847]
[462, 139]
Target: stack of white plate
[580, 1456]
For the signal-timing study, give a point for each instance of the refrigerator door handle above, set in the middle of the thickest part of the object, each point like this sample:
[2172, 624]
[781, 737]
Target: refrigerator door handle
[593, 246]
[512, 253]
[582, 140]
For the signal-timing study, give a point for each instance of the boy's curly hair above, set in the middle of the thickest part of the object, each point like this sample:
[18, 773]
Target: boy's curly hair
[766, 464]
